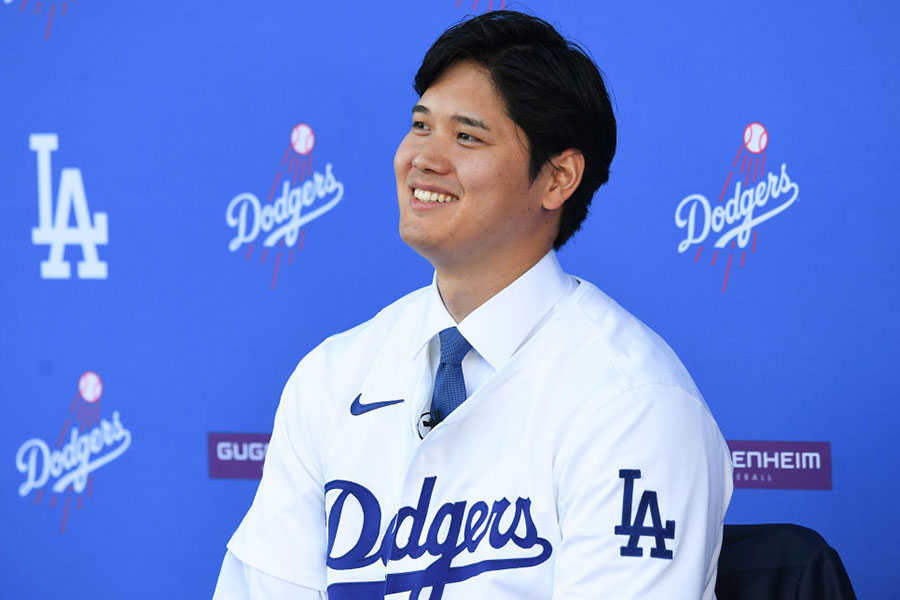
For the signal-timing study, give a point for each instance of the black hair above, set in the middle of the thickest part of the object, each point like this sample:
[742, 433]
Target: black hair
[552, 90]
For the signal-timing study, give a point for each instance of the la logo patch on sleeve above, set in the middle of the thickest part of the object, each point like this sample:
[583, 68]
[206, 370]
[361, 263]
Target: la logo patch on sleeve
[636, 529]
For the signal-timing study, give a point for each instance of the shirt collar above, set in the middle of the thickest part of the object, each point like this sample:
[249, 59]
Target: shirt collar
[497, 328]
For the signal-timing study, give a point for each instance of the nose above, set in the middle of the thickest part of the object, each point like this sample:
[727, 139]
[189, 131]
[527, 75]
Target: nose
[430, 157]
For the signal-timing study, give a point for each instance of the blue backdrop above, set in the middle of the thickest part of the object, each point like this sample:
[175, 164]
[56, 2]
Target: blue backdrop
[162, 113]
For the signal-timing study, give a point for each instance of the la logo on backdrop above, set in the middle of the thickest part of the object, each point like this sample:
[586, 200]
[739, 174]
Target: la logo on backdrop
[86, 443]
[731, 225]
[53, 228]
[299, 195]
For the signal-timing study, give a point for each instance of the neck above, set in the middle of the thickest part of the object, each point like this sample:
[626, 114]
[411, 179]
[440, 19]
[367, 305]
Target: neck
[465, 289]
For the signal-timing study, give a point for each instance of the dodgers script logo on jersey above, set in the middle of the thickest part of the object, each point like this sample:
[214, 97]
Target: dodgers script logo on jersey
[456, 527]
[53, 227]
[86, 443]
[303, 195]
[757, 196]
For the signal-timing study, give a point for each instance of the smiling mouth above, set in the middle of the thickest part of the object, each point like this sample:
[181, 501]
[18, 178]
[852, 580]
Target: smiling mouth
[433, 197]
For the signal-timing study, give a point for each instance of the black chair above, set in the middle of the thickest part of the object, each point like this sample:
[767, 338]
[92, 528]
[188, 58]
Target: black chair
[779, 562]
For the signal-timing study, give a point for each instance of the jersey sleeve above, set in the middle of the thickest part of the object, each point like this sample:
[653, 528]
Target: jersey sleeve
[283, 534]
[643, 481]
[238, 581]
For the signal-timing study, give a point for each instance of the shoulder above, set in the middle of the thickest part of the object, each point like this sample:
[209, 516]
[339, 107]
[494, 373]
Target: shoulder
[327, 379]
[370, 335]
[628, 386]
[341, 360]
[614, 374]
[615, 350]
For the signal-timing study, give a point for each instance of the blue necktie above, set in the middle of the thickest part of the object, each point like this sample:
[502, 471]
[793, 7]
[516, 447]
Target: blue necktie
[449, 385]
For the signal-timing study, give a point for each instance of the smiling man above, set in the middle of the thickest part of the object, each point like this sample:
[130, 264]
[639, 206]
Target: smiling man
[508, 431]
[468, 202]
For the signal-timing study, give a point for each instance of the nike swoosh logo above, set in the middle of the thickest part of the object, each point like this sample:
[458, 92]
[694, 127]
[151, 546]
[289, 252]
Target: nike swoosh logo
[358, 408]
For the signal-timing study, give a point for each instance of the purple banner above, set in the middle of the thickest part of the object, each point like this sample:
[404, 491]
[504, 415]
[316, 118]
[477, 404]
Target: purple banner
[781, 465]
[237, 455]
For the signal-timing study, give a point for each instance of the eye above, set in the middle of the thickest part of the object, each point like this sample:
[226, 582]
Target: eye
[467, 137]
[420, 126]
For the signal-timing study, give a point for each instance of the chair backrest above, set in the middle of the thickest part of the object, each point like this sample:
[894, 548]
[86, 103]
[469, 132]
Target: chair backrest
[779, 562]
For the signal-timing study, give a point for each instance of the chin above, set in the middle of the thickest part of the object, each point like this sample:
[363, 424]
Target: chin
[423, 242]
[415, 238]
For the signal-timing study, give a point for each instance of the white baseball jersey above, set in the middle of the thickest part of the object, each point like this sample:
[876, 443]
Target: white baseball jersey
[583, 464]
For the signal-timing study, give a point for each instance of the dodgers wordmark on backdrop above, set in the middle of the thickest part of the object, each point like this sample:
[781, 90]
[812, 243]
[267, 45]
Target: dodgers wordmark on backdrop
[66, 464]
[304, 195]
[734, 220]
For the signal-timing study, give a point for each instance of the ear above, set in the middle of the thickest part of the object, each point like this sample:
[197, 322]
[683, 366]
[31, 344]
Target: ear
[566, 170]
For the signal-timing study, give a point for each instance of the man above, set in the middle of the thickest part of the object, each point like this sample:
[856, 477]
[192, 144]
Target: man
[508, 431]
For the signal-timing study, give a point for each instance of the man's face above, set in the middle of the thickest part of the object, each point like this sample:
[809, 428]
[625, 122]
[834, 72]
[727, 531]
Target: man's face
[462, 177]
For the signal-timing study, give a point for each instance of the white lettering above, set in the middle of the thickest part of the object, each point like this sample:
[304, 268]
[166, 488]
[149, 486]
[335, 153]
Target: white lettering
[223, 451]
[71, 464]
[254, 451]
[698, 219]
[754, 459]
[691, 204]
[257, 451]
[284, 218]
[751, 455]
[810, 460]
[53, 228]
[787, 460]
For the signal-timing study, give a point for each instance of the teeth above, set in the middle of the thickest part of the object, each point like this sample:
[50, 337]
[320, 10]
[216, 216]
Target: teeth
[426, 196]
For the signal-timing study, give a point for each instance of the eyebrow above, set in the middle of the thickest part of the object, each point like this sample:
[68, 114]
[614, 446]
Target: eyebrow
[470, 121]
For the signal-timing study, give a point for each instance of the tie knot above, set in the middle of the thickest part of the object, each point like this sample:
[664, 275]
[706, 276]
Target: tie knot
[453, 346]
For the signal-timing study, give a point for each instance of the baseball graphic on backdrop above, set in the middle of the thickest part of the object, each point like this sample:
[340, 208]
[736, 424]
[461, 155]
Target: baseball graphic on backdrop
[90, 386]
[302, 139]
[756, 138]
